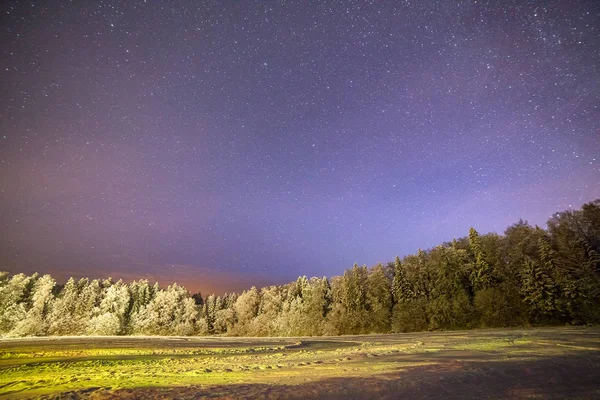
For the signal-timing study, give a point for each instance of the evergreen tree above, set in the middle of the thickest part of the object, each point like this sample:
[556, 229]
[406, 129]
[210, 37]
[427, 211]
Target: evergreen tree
[481, 274]
[35, 322]
[421, 277]
[109, 318]
[224, 319]
[62, 319]
[538, 290]
[87, 304]
[15, 300]
[449, 305]
[170, 312]
[246, 309]
[575, 234]
[379, 300]
[141, 294]
[198, 299]
[326, 296]
[209, 311]
[229, 300]
[401, 289]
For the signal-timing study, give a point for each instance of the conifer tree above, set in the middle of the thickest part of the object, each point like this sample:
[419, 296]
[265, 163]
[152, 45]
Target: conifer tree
[87, 304]
[62, 319]
[110, 316]
[538, 290]
[15, 300]
[35, 322]
[246, 309]
[481, 274]
[209, 311]
[401, 288]
[379, 299]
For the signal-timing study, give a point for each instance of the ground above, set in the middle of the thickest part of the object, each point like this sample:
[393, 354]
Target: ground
[508, 363]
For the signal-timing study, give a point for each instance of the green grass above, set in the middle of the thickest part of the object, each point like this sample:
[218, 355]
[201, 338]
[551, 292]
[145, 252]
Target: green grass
[33, 367]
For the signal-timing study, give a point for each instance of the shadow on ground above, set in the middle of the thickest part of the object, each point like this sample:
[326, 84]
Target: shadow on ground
[569, 376]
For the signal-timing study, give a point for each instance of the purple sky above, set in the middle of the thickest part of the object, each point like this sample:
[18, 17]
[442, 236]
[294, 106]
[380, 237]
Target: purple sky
[224, 144]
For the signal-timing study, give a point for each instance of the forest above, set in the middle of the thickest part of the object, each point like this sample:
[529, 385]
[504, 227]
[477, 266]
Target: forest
[528, 276]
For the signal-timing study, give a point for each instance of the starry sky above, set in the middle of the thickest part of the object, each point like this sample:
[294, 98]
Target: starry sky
[224, 144]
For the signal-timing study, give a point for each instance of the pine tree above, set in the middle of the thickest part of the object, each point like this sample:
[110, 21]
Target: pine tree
[379, 299]
[424, 278]
[170, 312]
[229, 300]
[538, 290]
[246, 309]
[269, 312]
[141, 294]
[199, 300]
[87, 304]
[313, 307]
[35, 322]
[15, 295]
[401, 288]
[62, 319]
[327, 296]
[209, 311]
[301, 287]
[481, 275]
[355, 288]
[110, 316]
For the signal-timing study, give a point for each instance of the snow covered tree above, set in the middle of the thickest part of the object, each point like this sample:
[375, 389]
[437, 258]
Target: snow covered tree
[62, 319]
[224, 321]
[211, 306]
[141, 294]
[171, 312]
[15, 300]
[379, 300]
[90, 295]
[109, 318]
[267, 322]
[349, 313]
[35, 323]
[402, 291]
[246, 309]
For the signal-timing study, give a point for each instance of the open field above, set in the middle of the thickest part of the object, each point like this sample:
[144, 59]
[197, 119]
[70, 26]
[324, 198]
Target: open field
[507, 363]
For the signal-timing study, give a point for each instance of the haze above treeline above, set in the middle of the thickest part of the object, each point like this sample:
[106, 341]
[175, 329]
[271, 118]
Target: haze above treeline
[528, 276]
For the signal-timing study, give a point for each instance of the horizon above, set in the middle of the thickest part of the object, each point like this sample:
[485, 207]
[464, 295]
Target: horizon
[230, 145]
[194, 284]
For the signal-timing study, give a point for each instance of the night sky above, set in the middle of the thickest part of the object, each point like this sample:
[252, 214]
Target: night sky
[224, 144]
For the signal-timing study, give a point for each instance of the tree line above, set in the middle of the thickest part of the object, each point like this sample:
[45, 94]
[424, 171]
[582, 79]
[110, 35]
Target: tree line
[528, 276]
